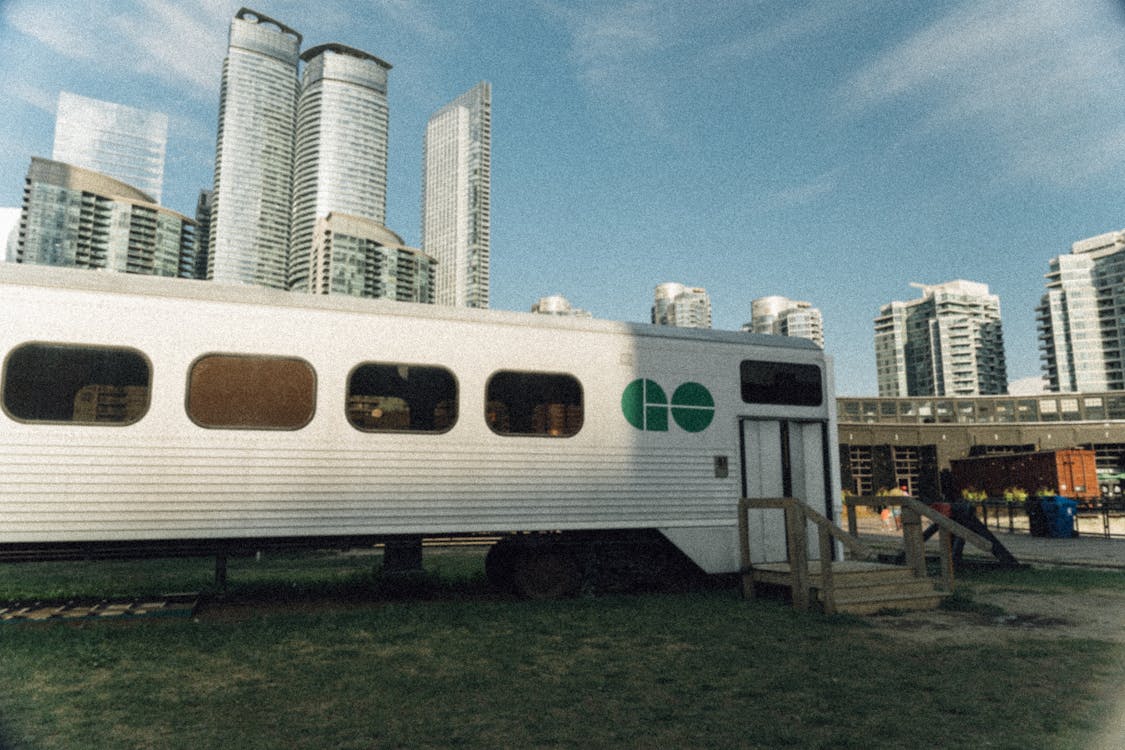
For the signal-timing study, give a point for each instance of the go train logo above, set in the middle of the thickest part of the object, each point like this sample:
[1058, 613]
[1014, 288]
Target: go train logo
[646, 406]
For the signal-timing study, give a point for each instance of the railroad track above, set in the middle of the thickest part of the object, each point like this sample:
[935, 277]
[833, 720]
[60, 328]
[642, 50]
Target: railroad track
[168, 605]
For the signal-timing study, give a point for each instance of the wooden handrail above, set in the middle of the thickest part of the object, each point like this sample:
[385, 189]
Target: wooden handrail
[797, 514]
[874, 501]
[913, 542]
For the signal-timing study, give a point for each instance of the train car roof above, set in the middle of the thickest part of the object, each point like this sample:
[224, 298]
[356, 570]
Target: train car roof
[111, 282]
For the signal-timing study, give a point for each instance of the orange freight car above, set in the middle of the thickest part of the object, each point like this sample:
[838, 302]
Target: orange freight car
[1070, 472]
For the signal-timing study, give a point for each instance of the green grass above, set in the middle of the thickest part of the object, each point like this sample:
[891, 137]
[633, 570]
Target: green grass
[1047, 579]
[452, 665]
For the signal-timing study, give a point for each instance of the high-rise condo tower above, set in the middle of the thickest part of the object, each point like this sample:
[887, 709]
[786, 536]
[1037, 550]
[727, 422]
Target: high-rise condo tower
[250, 216]
[456, 196]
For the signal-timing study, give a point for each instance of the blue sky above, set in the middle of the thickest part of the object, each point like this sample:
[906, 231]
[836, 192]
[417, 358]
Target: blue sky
[832, 152]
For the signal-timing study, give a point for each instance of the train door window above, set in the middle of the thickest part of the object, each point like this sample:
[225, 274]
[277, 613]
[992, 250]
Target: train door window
[248, 392]
[781, 383]
[384, 397]
[78, 384]
[531, 403]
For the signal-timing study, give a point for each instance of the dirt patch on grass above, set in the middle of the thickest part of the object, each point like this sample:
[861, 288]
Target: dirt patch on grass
[1000, 613]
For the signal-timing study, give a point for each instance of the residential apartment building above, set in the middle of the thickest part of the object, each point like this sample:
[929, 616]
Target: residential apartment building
[122, 142]
[675, 304]
[947, 343]
[1081, 317]
[253, 200]
[456, 197]
[195, 267]
[360, 257]
[782, 316]
[341, 150]
[79, 218]
[556, 304]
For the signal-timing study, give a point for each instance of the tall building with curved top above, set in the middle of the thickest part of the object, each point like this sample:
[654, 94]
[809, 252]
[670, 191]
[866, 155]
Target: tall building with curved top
[340, 162]
[83, 219]
[250, 216]
[362, 258]
[456, 196]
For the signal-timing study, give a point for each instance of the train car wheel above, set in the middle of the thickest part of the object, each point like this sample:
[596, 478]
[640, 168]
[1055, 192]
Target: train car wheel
[499, 563]
[546, 574]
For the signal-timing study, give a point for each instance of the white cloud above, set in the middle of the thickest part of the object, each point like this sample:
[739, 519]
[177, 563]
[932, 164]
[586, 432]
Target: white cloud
[807, 192]
[180, 44]
[611, 41]
[1030, 80]
[42, 99]
[625, 54]
[421, 19]
[794, 27]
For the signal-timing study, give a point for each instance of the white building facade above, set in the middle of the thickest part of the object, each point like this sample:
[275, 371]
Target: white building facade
[340, 161]
[124, 143]
[675, 304]
[1081, 317]
[556, 304]
[252, 202]
[456, 197]
[782, 316]
[948, 343]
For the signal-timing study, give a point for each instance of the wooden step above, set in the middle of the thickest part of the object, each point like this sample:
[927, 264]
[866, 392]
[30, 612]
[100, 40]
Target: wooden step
[862, 588]
[873, 605]
[910, 587]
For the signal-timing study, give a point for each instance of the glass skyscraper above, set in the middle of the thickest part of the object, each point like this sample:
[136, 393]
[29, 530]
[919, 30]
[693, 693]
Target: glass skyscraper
[253, 196]
[341, 149]
[1082, 317]
[122, 142]
[948, 343]
[456, 196]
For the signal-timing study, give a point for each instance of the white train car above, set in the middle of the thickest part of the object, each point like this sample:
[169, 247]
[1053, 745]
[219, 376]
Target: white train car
[163, 414]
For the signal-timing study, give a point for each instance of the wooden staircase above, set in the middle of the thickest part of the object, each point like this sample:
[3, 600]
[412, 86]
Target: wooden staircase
[854, 586]
[860, 587]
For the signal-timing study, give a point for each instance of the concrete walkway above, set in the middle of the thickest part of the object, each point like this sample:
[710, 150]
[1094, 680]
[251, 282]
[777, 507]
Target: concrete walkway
[1087, 551]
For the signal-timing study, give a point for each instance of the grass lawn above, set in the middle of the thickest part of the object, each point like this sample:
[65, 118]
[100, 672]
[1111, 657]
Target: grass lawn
[450, 664]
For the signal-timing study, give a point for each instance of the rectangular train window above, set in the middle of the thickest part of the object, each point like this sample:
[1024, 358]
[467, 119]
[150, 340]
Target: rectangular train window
[384, 397]
[781, 383]
[529, 403]
[75, 383]
[249, 392]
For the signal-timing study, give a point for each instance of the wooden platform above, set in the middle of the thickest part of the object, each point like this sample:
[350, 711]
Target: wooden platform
[860, 587]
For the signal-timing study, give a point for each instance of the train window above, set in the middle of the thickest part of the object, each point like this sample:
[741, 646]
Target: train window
[781, 383]
[528, 403]
[72, 383]
[401, 398]
[248, 392]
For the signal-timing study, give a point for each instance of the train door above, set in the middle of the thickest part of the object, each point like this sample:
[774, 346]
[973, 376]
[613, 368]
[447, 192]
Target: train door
[782, 458]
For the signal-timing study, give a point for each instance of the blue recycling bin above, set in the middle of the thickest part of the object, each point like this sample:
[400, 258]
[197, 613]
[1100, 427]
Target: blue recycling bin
[1059, 512]
[1037, 516]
